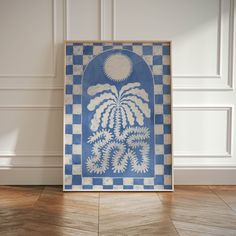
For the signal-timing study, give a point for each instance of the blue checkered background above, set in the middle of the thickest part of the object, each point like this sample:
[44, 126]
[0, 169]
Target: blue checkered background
[157, 56]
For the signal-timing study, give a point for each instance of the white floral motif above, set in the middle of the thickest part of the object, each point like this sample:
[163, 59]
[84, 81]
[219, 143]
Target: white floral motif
[120, 116]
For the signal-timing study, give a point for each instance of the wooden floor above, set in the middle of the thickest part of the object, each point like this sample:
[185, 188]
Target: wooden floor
[189, 211]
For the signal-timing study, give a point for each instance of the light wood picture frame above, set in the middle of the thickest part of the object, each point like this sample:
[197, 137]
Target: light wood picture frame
[118, 116]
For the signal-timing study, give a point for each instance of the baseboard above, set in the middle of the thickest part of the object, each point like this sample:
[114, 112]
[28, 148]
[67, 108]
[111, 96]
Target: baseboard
[31, 176]
[53, 176]
[204, 176]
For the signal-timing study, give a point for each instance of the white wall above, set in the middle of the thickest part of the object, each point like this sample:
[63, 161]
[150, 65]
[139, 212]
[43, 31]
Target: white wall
[31, 80]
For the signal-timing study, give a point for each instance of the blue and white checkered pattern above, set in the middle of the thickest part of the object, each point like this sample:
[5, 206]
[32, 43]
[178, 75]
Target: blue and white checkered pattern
[157, 56]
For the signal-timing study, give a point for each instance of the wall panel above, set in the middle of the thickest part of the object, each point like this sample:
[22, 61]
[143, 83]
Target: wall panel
[31, 55]
[31, 44]
[83, 19]
[202, 131]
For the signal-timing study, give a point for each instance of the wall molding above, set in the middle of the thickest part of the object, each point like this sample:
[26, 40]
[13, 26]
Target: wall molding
[53, 75]
[229, 85]
[231, 48]
[203, 89]
[219, 54]
[205, 167]
[31, 176]
[205, 176]
[27, 107]
[31, 155]
[102, 19]
[192, 76]
[65, 20]
[229, 140]
[31, 162]
[32, 88]
[114, 10]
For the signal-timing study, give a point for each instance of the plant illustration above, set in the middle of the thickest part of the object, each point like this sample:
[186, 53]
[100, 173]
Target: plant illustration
[119, 134]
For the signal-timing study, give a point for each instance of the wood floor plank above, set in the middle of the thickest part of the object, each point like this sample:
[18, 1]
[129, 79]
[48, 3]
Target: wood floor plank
[199, 206]
[183, 232]
[205, 229]
[132, 212]
[38, 229]
[74, 210]
[165, 228]
[15, 204]
[227, 194]
[12, 197]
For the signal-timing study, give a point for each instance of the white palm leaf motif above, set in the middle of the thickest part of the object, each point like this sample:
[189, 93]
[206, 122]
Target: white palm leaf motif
[103, 101]
[118, 110]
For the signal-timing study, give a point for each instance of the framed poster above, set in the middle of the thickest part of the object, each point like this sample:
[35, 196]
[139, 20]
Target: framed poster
[117, 116]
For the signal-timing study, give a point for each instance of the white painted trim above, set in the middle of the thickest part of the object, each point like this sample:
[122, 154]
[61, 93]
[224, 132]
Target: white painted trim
[31, 155]
[231, 48]
[54, 31]
[208, 88]
[53, 75]
[205, 176]
[27, 76]
[26, 107]
[205, 155]
[205, 167]
[230, 114]
[102, 20]
[32, 88]
[29, 167]
[219, 40]
[113, 19]
[192, 76]
[30, 161]
[31, 176]
[65, 19]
